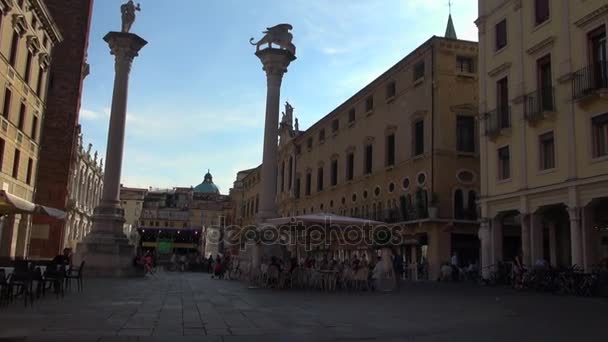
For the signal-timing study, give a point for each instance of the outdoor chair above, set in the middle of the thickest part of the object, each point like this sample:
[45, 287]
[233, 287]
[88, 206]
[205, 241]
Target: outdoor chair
[55, 277]
[22, 283]
[75, 275]
[4, 287]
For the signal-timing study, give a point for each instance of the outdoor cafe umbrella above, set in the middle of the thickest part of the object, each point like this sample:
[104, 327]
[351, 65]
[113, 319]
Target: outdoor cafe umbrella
[323, 218]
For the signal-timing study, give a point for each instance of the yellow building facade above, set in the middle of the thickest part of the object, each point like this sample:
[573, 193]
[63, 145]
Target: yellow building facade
[402, 150]
[27, 35]
[543, 77]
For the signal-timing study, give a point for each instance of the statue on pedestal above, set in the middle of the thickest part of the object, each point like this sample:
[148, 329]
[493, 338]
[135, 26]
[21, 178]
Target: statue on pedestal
[278, 35]
[128, 15]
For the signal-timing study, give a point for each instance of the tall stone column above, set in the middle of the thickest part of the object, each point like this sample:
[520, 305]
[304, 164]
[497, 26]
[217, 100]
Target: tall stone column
[536, 238]
[485, 235]
[106, 250]
[553, 243]
[575, 237]
[497, 240]
[275, 62]
[525, 240]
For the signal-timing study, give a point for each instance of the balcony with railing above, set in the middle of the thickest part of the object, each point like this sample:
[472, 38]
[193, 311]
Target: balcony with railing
[539, 104]
[590, 80]
[497, 120]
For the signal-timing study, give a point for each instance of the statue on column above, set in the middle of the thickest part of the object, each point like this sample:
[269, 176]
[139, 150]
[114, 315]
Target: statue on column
[128, 15]
[278, 35]
[95, 157]
[89, 149]
[297, 126]
[287, 118]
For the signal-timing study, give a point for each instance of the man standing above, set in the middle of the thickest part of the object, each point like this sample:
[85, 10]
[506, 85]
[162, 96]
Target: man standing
[455, 269]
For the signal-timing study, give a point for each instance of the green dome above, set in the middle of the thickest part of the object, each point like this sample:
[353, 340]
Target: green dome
[207, 186]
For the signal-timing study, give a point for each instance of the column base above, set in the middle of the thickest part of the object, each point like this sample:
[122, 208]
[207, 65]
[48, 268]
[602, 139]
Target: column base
[106, 250]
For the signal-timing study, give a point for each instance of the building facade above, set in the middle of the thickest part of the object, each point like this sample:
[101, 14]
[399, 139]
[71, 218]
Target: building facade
[84, 188]
[544, 133]
[61, 151]
[28, 34]
[403, 150]
[132, 202]
[185, 219]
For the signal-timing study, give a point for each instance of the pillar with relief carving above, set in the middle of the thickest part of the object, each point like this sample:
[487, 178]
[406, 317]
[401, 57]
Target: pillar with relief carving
[106, 250]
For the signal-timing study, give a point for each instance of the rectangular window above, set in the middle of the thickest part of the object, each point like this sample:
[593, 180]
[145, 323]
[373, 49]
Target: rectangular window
[16, 162]
[545, 83]
[465, 134]
[1, 154]
[290, 174]
[351, 115]
[309, 143]
[39, 82]
[335, 125]
[350, 166]
[391, 89]
[21, 120]
[6, 108]
[390, 150]
[30, 165]
[541, 11]
[34, 128]
[334, 172]
[419, 70]
[369, 104]
[501, 34]
[598, 58]
[28, 67]
[14, 48]
[369, 156]
[419, 137]
[320, 179]
[547, 151]
[502, 102]
[308, 181]
[322, 135]
[464, 64]
[504, 163]
[600, 135]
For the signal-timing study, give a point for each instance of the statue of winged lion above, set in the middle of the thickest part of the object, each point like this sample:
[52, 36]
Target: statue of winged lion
[278, 35]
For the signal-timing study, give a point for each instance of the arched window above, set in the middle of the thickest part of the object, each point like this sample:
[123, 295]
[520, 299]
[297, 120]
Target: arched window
[472, 206]
[458, 205]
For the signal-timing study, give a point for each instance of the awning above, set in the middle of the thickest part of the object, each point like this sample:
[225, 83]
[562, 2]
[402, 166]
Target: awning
[52, 212]
[323, 218]
[11, 204]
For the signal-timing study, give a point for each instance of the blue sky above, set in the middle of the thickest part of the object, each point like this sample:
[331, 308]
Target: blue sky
[197, 91]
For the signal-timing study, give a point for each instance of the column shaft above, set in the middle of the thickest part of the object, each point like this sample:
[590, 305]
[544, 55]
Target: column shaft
[525, 240]
[536, 238]
[486, 248]
[116, 133]
[575, 237]
[497, 240]
[269, 163]
[553, 243]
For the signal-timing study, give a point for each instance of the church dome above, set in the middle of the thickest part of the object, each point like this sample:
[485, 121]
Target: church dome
[207, 186]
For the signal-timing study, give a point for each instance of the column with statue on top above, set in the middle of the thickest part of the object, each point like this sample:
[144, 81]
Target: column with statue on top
[106, 250]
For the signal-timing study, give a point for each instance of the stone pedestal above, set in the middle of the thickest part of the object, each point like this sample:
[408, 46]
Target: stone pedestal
[106, 250]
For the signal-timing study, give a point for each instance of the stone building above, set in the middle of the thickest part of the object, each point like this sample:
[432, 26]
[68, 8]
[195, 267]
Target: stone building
[185, 219]
[84, 189]
[402, 150]
[27, 36]
[132, 200]
[544, 132]
[61, 151]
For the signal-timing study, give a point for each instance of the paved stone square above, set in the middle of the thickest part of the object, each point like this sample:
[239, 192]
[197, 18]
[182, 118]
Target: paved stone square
[192, 307]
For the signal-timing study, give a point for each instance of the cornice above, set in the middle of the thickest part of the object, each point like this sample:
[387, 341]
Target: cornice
[546, 43]
[592, 16]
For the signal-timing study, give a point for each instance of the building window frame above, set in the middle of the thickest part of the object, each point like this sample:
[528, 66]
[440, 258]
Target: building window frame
[542, 11]
[501, 34]
[418, 137]
[16, 162]
[504, 164]
[546, 151]
[464, 145]
[465, 64]
[368, 159]
[599, 136]
[391, 150]
[334, 172]
[350, 166]
[419, 70]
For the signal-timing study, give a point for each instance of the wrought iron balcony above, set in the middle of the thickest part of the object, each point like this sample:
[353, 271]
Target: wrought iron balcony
[588, 80]
[538, 103]
[498, 120]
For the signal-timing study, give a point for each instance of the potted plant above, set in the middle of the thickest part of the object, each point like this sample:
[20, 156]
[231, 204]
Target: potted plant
[434, 206]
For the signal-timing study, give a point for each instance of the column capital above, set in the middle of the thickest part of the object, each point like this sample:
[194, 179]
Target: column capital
[125, 46]
[275, 61]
